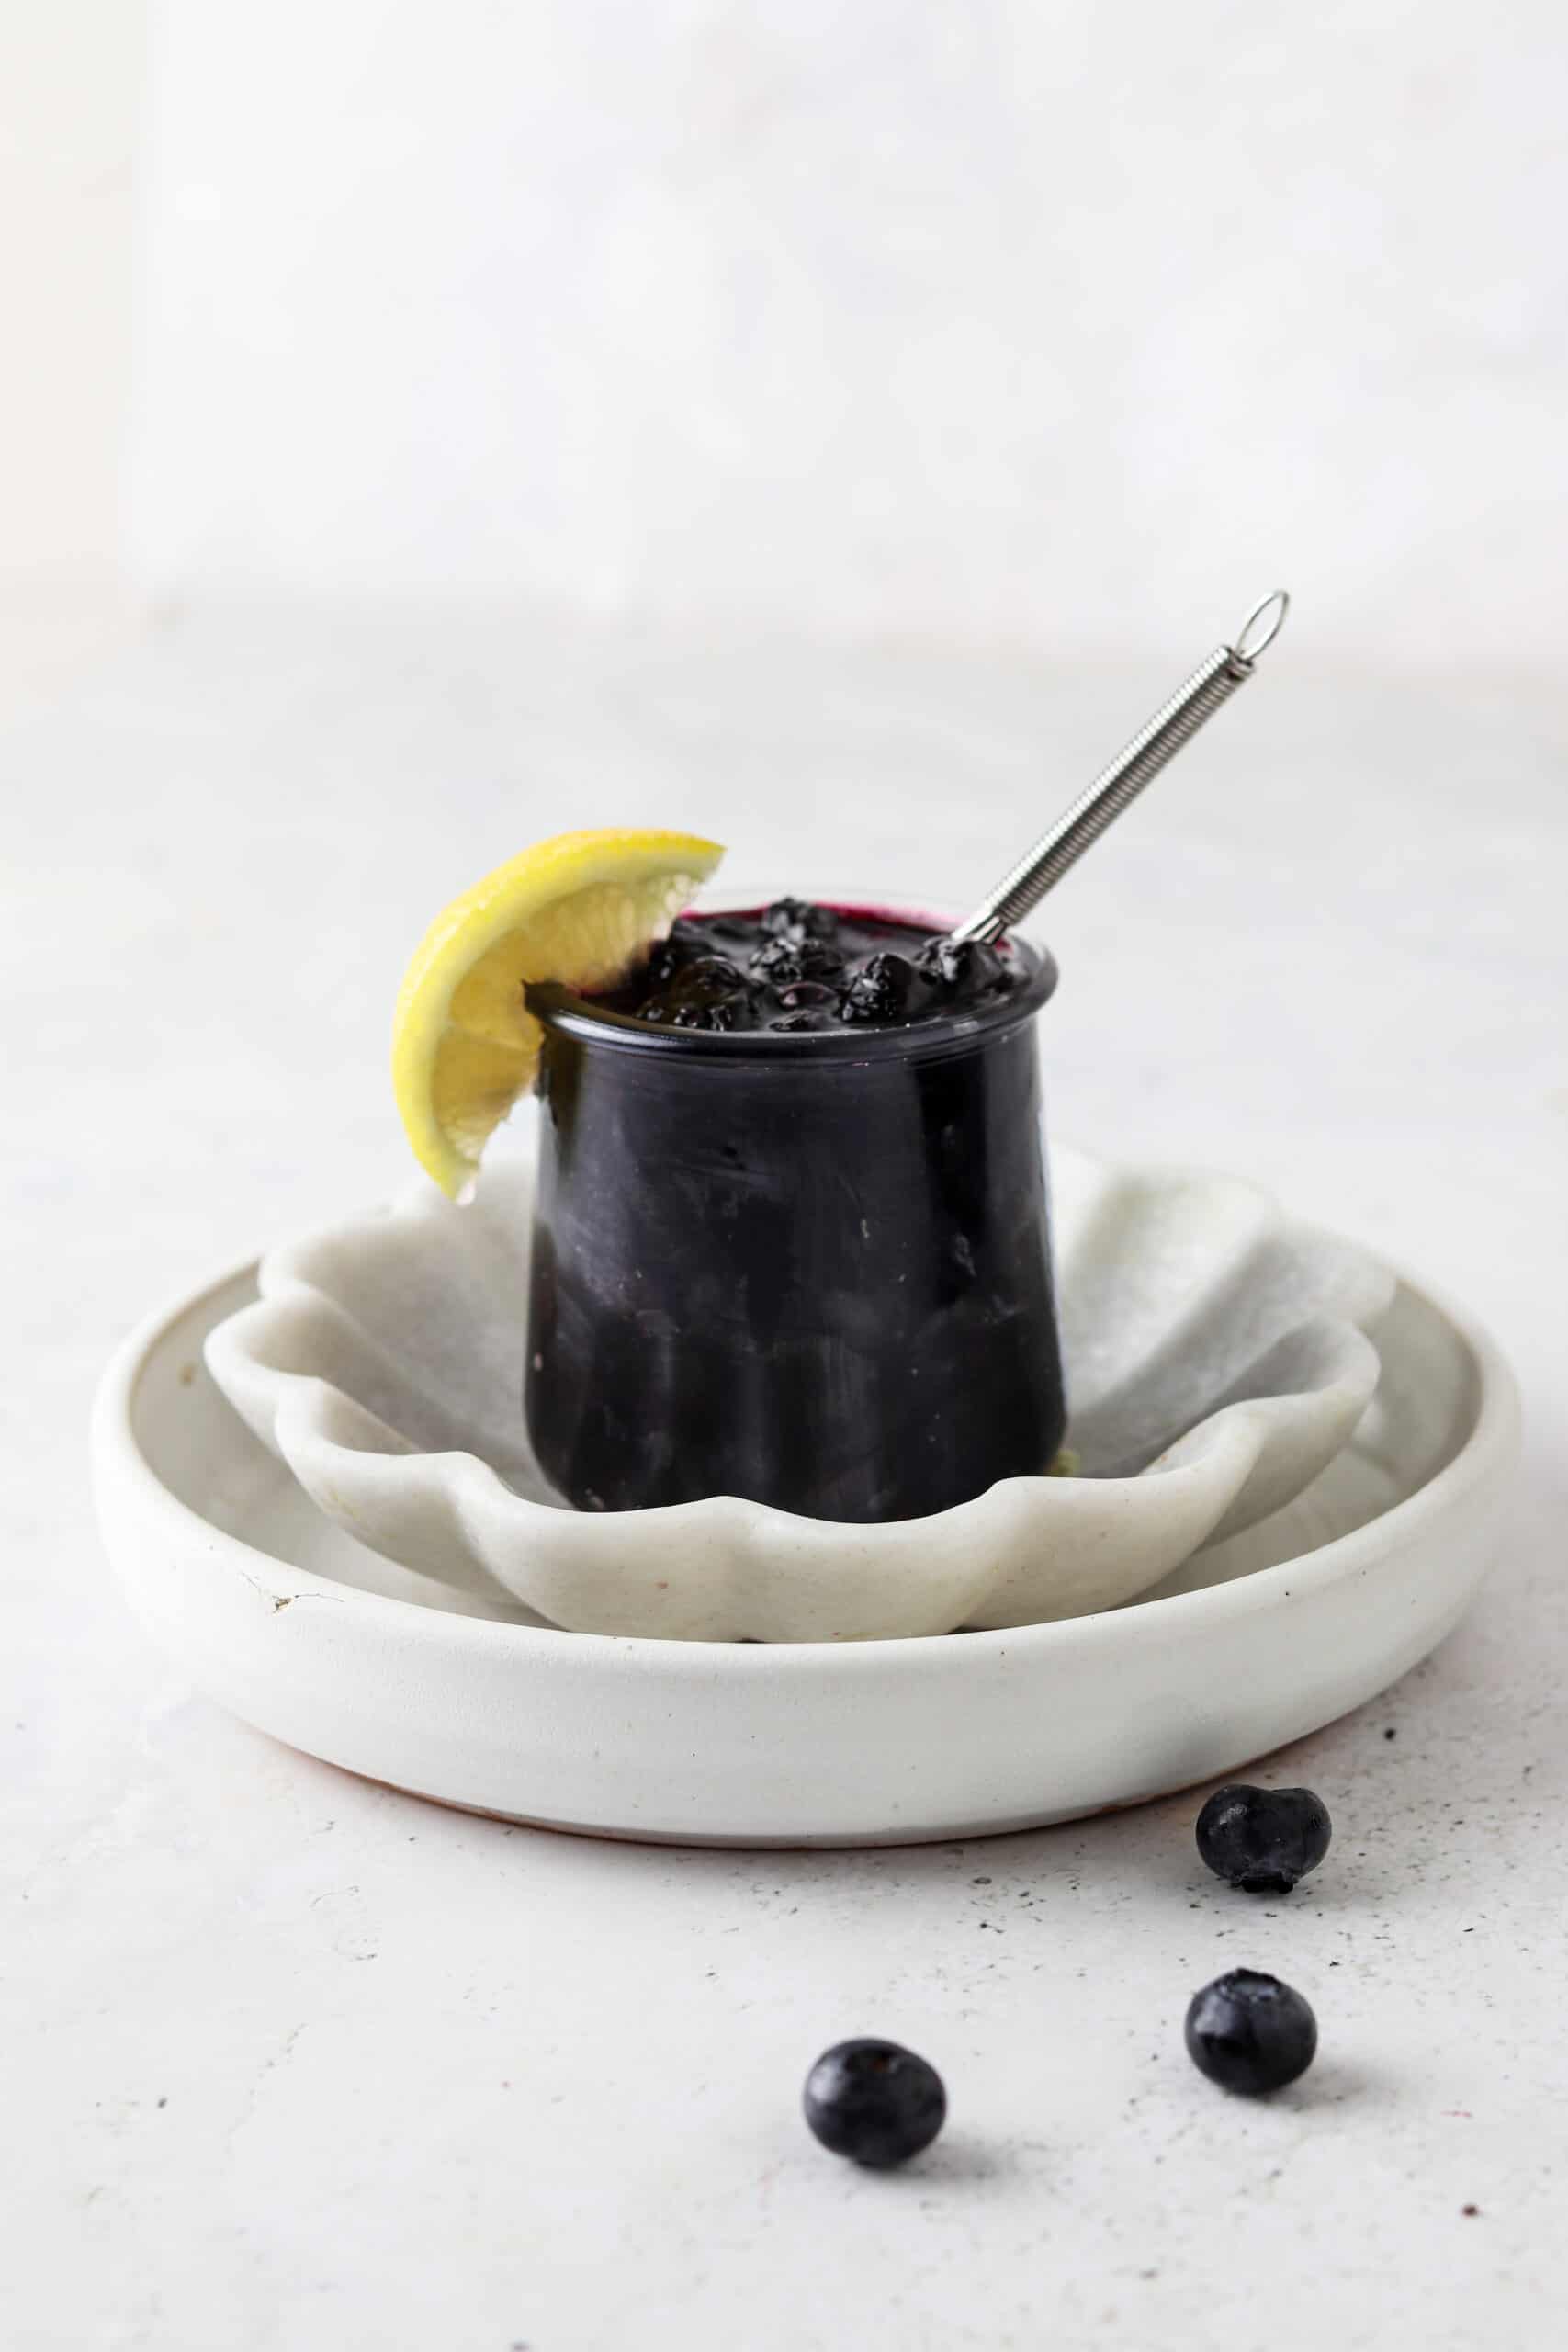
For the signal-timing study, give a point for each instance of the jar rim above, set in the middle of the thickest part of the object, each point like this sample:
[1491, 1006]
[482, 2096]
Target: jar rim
[561, 1011]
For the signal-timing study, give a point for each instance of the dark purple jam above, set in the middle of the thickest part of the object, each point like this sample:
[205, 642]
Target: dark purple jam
[813, 1271]
[796, 967]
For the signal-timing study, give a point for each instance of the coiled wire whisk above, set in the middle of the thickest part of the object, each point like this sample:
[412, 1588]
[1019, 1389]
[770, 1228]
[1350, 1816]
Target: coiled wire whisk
[1176, 723]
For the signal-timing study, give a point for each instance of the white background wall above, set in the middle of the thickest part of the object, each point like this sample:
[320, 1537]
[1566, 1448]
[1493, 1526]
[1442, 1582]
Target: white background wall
[1062, 324]
[1030, 323]
[70, 78]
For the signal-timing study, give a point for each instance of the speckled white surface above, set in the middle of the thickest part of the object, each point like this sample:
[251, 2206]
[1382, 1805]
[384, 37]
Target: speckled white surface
[298, 2065]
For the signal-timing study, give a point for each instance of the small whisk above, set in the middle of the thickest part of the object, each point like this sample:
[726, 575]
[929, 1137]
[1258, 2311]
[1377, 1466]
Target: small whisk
[1040, 868]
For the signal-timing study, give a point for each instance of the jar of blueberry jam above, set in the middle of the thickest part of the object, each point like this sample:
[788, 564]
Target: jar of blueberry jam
[790, 1235]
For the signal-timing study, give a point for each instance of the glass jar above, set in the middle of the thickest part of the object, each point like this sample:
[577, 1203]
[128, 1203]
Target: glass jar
[811, 1270]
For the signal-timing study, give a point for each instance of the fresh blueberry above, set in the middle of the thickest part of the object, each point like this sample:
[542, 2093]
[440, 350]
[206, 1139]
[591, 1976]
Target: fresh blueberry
[710, 976]
[880, 991]
[672, 954]
[716, 1013]
[784, 962]
[808, 996]
[967, 963]
[1263, 1841]
[779, 962]
[797, 918]
[730, 934]
[708, 994]
[1250, 2034]
[874, 2102]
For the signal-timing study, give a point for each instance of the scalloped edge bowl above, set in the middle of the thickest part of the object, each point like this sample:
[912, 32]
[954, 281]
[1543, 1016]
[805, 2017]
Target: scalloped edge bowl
[1215, 1350]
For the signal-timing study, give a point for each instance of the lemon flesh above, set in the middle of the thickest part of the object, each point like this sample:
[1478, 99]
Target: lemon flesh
[577, 910]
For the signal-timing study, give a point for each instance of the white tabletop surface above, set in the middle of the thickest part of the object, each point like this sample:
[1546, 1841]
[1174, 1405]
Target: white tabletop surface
[295, 2062]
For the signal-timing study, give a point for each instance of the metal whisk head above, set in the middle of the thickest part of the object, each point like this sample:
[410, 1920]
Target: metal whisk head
[1176, 723]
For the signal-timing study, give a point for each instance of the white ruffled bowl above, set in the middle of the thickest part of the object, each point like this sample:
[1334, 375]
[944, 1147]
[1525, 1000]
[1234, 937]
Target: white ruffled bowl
[1217, 1361]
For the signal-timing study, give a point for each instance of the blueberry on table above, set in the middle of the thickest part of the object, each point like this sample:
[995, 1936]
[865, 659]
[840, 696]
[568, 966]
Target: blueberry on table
[1263, 1841]
[1250, 2034]
[874, 2102]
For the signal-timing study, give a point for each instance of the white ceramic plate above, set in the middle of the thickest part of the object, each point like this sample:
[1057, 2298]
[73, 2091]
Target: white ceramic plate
[1216, 1365]
[282, 1617]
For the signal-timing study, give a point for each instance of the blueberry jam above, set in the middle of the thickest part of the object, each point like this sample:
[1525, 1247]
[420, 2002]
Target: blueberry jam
[796, 967]
[789, 1233]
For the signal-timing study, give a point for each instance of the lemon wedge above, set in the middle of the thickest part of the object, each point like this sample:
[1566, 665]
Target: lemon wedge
[577, 910]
